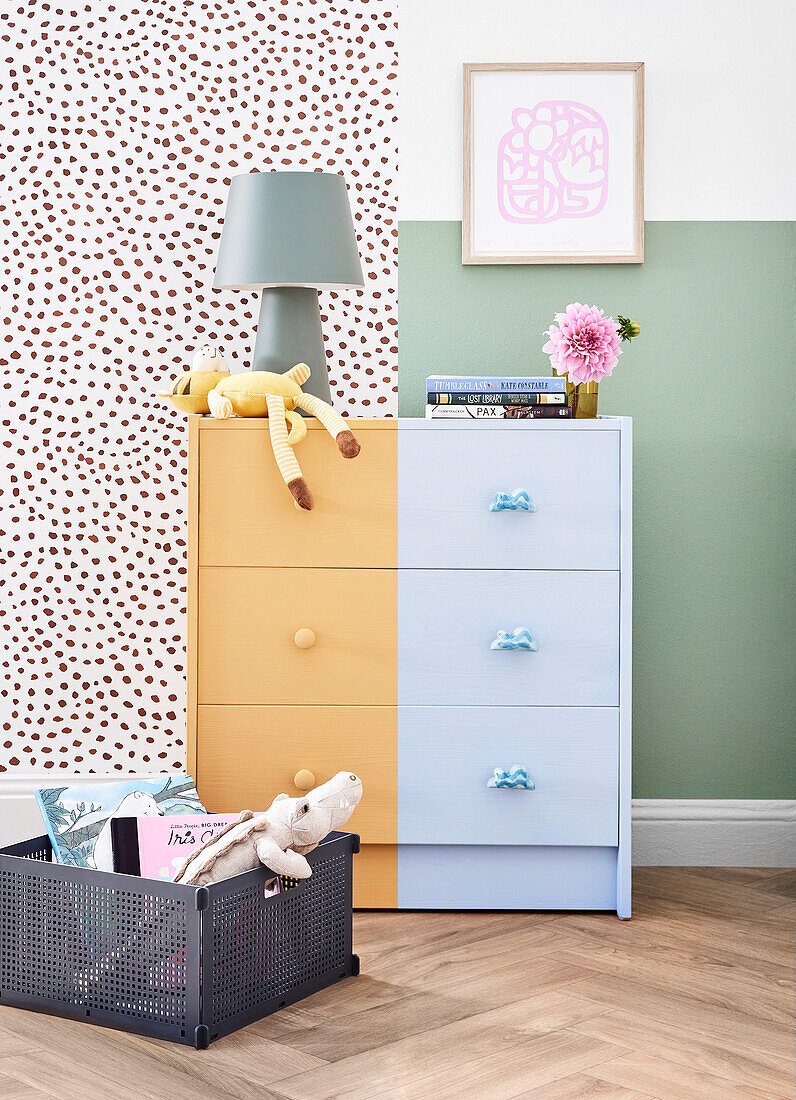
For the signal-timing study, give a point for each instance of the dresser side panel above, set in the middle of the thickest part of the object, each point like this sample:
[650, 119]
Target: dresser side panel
[624, 868]
[192, 594]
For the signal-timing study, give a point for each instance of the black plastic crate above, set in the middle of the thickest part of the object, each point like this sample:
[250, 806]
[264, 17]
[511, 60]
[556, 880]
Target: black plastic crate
[185, 963]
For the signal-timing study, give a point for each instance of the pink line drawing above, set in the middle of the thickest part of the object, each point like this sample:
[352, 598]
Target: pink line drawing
[553, 163]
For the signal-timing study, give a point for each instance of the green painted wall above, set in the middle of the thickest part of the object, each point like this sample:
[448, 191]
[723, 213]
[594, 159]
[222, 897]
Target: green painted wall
[710, 387]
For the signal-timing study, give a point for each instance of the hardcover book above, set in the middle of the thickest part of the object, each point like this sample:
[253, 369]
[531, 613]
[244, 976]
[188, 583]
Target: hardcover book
[78, 818]
[154, 847]
[498, 412]
[444, 383]
[497, 398]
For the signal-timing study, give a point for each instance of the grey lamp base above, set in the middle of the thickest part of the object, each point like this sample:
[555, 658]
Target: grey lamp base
[289, 332]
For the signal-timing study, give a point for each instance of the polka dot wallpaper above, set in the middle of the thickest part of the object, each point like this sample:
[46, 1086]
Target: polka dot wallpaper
[122, 126]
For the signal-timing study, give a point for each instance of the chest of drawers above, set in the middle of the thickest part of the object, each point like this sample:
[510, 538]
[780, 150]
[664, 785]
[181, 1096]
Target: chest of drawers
[405, 574]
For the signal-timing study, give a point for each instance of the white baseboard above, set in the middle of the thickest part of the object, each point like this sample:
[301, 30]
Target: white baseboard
[667, 832]
[674, 832]
[19, 815]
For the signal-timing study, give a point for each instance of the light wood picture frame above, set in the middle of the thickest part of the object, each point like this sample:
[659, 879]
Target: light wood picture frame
[553, 163]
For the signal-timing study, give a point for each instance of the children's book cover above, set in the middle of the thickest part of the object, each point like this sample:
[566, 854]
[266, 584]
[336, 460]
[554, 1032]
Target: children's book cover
[78, 817]
[156, 847]
[159, 845]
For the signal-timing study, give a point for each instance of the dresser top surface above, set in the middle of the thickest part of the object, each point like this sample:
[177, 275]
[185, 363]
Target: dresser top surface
[407, 423]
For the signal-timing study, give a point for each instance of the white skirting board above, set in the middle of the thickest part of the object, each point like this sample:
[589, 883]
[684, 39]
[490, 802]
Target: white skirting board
[691, 832]
[667, 832]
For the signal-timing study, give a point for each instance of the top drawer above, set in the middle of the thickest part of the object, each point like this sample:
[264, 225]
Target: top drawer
[247, 516]
[449, 476]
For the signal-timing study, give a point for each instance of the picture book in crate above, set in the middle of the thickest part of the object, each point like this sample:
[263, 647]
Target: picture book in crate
[154, 847]
[78, 817]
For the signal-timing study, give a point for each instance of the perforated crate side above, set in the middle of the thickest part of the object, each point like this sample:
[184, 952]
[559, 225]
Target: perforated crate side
[261, 953]
[116, 950]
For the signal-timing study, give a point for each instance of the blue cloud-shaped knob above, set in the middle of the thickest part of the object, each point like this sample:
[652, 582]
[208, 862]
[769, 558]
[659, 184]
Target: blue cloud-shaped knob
[518, 501]
[515, 778]
[515, 639]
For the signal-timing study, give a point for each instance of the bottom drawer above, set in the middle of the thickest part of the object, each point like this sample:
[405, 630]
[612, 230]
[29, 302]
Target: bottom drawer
[447, 754]
[247, 755]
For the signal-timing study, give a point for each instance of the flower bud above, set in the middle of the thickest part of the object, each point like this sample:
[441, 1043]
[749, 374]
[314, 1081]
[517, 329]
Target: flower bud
[627, 329]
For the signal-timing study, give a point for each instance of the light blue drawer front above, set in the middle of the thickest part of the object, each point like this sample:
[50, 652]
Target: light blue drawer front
[448, 478]
[447, 754]
[506, 878]
[447, 620]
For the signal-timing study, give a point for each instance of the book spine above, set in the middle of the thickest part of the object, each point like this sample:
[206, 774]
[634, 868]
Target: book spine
[48, 825]
[497, 398]
[125, 845]
[438, 383]
[498, 412]
[547, 412]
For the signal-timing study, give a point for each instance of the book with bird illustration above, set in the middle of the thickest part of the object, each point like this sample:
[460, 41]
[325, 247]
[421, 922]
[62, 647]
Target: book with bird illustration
[78, 817]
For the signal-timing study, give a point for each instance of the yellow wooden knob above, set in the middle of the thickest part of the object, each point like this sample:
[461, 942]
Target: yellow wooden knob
[304, 638]
[304, 780]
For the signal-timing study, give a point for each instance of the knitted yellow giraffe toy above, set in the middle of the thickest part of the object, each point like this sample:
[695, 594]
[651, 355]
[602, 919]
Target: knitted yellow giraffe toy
[276, 396]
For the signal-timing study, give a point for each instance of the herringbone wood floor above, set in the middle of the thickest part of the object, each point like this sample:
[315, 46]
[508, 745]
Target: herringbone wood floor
[692, 998]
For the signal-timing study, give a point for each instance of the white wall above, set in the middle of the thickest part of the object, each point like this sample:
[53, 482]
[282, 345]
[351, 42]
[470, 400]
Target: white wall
[719, 94]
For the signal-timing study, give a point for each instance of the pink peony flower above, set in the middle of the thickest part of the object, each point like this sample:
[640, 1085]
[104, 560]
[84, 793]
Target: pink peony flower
[583, 343]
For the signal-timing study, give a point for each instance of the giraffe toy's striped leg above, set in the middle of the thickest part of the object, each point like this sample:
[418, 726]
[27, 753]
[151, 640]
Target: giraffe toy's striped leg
[283, 453]
[298, 374]
[332, 421]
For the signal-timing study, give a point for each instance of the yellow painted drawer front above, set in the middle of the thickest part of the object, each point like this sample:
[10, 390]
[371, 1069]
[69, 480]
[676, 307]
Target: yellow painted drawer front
[247, 516]
[248, 619]
[376, 877]
[247, 755]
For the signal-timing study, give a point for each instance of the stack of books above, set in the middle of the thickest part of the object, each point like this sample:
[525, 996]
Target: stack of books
[481, 398]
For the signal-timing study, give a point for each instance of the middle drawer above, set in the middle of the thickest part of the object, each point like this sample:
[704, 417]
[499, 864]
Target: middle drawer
[290, 636]
[448, 619]
[377, 637]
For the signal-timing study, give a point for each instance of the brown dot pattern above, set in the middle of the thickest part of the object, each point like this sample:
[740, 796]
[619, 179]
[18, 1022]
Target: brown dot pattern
[122, 125]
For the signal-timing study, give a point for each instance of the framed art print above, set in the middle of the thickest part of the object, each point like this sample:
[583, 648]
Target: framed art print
[553, 164]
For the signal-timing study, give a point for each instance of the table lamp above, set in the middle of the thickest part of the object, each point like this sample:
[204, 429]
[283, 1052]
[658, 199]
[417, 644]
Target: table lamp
[289, 234]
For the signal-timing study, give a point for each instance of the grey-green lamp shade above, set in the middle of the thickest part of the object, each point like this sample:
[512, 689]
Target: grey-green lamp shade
[287, 229]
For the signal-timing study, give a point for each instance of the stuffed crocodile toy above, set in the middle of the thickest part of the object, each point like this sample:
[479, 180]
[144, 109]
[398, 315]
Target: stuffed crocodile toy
[280, 838]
